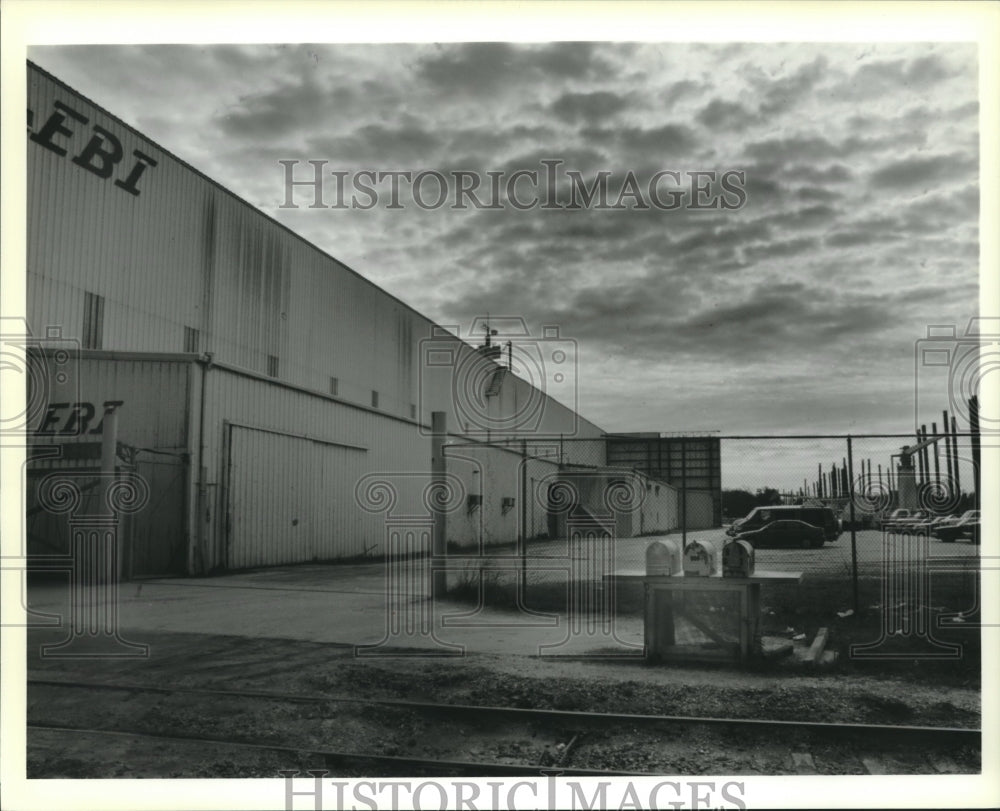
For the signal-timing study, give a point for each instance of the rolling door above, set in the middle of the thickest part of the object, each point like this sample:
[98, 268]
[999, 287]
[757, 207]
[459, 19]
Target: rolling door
[291, 499]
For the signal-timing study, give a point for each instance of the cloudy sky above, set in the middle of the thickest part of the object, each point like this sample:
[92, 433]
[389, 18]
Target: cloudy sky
[796, 313]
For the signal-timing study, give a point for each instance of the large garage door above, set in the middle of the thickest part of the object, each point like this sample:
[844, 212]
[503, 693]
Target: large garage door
[291, 499]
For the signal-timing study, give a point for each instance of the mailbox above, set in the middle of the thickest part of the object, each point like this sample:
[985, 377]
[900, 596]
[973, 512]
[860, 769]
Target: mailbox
[737, 559]
[699, 559]
[663, 558]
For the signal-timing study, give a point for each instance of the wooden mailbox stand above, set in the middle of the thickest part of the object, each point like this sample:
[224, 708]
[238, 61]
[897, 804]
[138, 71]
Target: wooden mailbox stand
[662, 640]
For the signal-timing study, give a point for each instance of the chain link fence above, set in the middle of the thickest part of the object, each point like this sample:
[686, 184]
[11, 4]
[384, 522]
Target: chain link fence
[827, 507]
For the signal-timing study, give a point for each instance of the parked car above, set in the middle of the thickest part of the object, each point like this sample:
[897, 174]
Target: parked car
[897, 515]
[965, 527]
[931, 524]
[823, 517]
[862, 520]
[906, 522]
[785, 533]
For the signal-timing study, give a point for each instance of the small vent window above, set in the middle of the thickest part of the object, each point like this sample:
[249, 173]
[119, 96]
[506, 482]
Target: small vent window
[413, 411]
[374, 399]
[93, 321]
[334, 386]
[272, 365]
[190, 339]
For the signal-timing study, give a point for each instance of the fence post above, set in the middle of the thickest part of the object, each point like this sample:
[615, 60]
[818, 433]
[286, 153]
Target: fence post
[684, 495]
[439, 538]
[523, 537]
[854, 534]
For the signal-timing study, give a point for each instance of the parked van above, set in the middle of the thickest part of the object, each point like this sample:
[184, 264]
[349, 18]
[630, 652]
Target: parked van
[823, 517]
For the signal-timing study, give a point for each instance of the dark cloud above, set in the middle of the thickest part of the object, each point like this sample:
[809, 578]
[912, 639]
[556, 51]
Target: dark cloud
[871, 231]
[875, 78]
[721, 114]
[679, 90]
[472, 68]
[487, 140]
[936, 213]
[817, 194]
[292, 106]
[780, 95]
[574, 107]
[780, 249]
[380, 146]
[922, 171]
[792, 148]
[662, 140]
[837, 173]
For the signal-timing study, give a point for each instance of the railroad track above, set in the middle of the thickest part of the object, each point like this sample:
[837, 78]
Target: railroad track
[572, 742]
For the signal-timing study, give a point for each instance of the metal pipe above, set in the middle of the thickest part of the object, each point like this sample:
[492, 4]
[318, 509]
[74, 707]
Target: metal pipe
[854, 536]
[439, 539]
[684, 496]
[974, 428]
[109, 457]
[201, 516]
[920, 457]
[954, 440]
[925, 452]
[523, 535]
[947, 450]
[937, 459]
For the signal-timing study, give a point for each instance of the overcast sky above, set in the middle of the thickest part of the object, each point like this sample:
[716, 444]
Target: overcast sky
[797, 312]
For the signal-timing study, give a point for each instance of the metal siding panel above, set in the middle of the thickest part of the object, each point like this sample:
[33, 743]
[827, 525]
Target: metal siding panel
[84, 233]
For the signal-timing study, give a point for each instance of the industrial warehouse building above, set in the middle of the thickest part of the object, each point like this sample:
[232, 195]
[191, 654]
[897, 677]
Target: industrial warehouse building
[277, 403]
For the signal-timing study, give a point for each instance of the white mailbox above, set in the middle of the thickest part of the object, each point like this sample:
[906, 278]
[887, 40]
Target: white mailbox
[663, 558]
[700, 559]
[737, 559]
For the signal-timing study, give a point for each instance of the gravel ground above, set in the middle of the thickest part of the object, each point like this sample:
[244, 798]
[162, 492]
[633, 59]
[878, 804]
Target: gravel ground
[295, 667]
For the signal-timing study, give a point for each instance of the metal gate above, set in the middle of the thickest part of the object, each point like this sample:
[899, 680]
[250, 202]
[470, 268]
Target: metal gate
[159, 535]
[154, 537]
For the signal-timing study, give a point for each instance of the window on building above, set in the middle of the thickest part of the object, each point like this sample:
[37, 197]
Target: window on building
[374, 399]
[413, 411]
[93, 321]
[272, 365]
[334, 386]
[190, 339]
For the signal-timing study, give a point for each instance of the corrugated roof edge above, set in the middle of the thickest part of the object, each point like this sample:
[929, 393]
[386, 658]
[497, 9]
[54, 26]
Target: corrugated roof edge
[254, 208]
